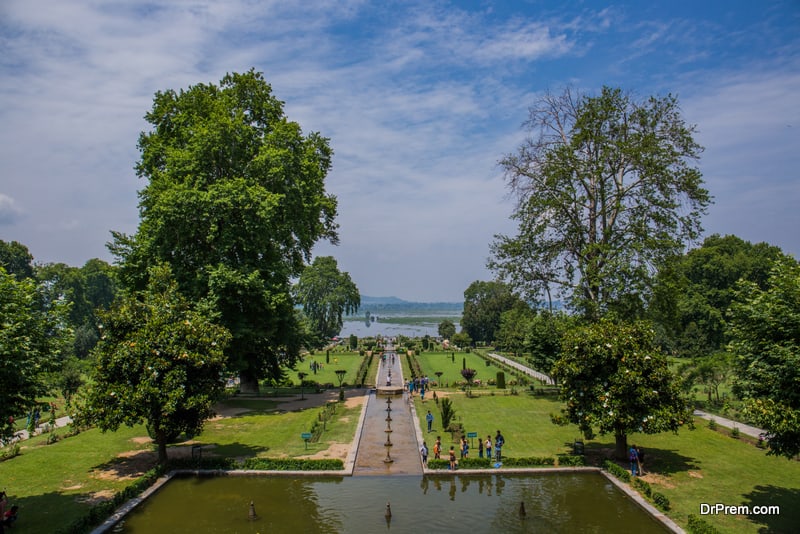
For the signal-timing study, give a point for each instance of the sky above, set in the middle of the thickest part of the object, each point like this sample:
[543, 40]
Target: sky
[420, 100]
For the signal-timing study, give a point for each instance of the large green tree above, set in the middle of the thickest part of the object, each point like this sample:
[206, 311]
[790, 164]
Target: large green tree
[765, 337]
[32, 334]
[326, 294]
[484, 304]
[615, 380]
[606, 192]
[446, 329]
[16, 259]
[159, 362]
[235, 201]
[693, 291]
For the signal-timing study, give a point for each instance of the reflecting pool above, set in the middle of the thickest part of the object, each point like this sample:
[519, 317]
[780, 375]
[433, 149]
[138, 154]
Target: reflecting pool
[466, 504]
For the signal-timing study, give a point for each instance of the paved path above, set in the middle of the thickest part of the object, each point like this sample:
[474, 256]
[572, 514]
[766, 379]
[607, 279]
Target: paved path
[20, 435]
[519, 367]
[404, 452]
[729, 423]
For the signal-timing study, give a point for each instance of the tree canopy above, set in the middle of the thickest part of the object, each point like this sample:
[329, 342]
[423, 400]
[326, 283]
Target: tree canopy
[606, 193]
[326, 294]
[615, 380]
[31, 343]
[234, 203]
[692, 292]
[159, 361]
[765, 338]
[484, 304]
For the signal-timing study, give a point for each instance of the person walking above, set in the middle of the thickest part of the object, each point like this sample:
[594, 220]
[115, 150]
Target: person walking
[423, 451]
[437, 448]
[429, 419]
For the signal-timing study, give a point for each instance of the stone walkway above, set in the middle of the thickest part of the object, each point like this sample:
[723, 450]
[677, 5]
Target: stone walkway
[523, 369]
[371, 452]
[730, 423]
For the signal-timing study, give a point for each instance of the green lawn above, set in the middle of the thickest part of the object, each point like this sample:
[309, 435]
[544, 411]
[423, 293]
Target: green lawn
[53, 483]
[345, 361]
[691, 467]
[450, 364]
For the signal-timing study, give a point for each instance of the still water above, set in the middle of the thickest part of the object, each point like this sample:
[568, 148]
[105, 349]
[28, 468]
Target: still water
[554, 502]
[386, 328]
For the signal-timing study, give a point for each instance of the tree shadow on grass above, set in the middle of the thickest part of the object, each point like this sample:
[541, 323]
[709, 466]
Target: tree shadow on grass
[50, 512]
[787, 499]
[661, 461]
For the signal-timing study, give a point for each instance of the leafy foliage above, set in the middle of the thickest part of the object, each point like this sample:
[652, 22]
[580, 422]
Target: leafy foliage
[484, 304]
[447, 329]
[326, 294]
[31, 342]
[606, 194]
[615, 380]
[159, 362]
[693, 292]
[234, 203]
[765, 336]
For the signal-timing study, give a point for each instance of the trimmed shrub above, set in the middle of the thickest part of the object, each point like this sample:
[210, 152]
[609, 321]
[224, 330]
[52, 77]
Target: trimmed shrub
[619, 472]
[501, 380]
[661, 500]
[699, 526]
[571, 461]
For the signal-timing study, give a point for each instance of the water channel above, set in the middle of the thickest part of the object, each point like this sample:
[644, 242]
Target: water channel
[441, 503]
[578, 502]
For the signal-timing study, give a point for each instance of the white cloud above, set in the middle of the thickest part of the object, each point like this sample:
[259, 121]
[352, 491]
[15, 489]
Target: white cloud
[10, 213]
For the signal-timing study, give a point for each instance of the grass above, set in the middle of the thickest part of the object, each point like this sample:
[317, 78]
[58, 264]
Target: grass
[54, 484]
[345, 361]
[450, 364]
[691, 467]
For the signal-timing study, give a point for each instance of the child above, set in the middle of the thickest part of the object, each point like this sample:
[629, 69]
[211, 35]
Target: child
[452, 458]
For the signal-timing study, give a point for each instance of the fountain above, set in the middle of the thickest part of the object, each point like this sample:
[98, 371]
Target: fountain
[388, 431]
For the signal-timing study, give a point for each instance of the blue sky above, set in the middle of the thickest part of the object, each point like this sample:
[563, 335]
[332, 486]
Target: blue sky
[420, 100]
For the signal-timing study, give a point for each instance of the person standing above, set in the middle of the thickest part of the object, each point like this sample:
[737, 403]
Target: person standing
[633, 456]
[452, 458]
[480, 448]
[437, 448]
[488, 446]
[429, 419]
[423, 451]
[499, 441]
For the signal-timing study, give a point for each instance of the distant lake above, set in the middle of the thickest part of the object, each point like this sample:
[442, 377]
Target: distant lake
[428, 325]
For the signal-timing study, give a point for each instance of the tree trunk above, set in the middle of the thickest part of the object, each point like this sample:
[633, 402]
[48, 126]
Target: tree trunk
[161, 443]
[248, 382]
[621, 450]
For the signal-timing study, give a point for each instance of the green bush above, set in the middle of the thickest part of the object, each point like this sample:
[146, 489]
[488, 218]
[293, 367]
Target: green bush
[501, 380]
[292, 464]
[661, 500]
[698, 526]
[619, 472]
[642, 486]
[571, 461]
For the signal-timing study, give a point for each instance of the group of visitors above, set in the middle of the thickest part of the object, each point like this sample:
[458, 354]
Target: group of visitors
[483, 446]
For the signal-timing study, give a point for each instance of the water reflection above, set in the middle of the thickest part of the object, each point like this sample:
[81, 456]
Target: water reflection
[581, 502]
